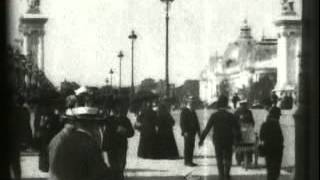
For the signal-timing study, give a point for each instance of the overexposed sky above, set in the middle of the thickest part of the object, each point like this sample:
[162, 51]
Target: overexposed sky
[83, 37]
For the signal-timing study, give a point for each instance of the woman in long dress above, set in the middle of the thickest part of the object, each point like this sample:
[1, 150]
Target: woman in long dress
[146, 124]
[167, 147]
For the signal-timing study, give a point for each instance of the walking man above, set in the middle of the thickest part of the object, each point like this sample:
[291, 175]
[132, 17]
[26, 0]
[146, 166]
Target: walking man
[226, 131]
[272, 138]
[235, 100]
[189, 124]
[118, 131]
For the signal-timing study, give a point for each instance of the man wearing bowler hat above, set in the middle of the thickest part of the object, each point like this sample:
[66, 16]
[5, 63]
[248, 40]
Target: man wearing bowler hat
[189, 124]
[76, 154]
[225, 131]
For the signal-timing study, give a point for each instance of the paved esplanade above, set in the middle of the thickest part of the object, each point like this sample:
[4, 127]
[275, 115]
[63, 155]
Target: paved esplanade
[138, 168]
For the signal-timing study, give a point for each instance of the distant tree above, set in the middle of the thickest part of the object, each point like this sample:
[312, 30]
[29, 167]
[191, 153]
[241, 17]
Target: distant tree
[67, 88]
[261, 89]
[148, 84]
[28, 81]
[102, 97]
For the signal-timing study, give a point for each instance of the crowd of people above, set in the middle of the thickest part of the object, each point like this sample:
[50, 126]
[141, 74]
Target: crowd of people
[72, 145]
[233, 129]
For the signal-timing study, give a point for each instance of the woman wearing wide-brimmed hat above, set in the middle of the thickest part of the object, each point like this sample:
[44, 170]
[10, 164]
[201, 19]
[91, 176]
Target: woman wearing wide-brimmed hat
[246, 122]
[146, 124]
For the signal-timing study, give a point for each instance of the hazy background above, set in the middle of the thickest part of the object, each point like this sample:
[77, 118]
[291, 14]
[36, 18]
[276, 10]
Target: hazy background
[84, 37]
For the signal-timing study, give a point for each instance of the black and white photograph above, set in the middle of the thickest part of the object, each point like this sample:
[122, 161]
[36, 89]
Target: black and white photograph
[160, 90]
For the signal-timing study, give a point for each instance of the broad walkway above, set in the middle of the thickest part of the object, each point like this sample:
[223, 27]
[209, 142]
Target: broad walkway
[161, 169]
[174, 169]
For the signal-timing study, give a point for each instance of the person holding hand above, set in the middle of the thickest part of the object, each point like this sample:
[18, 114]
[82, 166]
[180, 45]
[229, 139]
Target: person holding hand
[226, 132]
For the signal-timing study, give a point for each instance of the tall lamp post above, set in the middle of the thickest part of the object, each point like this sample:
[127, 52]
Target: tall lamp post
[167, 44]
[111, 73]
[120, 56]
[133, 37]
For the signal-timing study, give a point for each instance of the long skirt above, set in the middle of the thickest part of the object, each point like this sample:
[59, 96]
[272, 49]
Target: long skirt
[147, 145]
[166, 143]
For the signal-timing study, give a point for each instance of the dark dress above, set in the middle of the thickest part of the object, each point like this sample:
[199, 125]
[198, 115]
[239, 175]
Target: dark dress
[272, 137]
[245, 119]
[14, 143]
[147, 144]
[48, 130]
[44, 142]
[167, 147]
[25, 133]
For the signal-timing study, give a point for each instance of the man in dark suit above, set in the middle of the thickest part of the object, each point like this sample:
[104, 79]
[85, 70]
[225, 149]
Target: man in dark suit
[189, 124]
[116, 136]
[226, 130]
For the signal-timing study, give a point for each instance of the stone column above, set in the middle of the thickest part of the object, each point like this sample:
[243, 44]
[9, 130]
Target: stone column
[289, 25]
[301, 118]
[25, 44]
[41, 51]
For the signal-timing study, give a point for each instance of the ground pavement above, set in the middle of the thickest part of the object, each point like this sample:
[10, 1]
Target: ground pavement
[162, 169]
[140, 169]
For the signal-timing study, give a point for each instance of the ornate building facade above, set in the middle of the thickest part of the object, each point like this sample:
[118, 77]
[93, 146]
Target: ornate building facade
[247, 60]
[32, 31]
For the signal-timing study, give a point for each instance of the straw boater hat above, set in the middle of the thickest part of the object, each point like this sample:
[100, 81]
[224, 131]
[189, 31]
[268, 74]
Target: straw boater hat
[243, 101]
[190, 99]
[81, 90]
[83, 112]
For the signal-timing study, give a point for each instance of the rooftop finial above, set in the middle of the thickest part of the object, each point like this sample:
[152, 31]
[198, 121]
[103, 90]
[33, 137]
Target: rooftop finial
[245, 21]
[287, 7]
[33, 6]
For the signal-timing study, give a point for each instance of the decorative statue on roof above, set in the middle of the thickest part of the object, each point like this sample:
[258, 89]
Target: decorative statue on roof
[287, 6]
[33, 6]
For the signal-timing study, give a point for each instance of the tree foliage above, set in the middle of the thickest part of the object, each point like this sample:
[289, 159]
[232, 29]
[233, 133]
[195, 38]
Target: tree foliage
[148, 84]
[67, 88]
[260, 90]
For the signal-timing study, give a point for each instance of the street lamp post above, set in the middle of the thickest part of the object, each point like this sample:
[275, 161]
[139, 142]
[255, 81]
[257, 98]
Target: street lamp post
[167, 44]
[111, 73]
[120, 56]
[133, 37]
